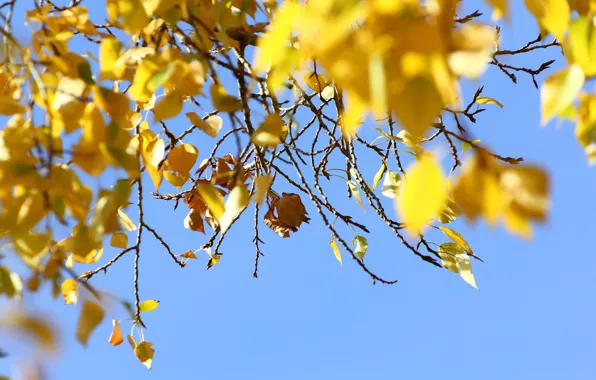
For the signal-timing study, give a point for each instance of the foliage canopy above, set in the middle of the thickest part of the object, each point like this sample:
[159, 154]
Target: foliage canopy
[105, 114]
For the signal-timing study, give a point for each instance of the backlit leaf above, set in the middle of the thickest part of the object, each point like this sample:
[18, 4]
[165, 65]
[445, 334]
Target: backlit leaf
[127, 223]
[262, 185]
[148, 305]
[457, 238]
[223, 101]
[144, 352]
[487, 100]
[552, 15]
[423, 194]
[391, 184]
[116, 335]
[361, 246]
[237, 200]
[356, 193]
[212, 198]
[379, 175]
[211, 126]
[70, 291]
[559, 90]
[335, 249]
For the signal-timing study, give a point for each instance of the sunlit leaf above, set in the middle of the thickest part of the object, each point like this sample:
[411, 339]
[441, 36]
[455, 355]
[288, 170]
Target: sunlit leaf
[148, 305]
[356, 193]
[223, 101]
[457, 238]
[212, 198]
[559, 90]
[361, 246]
[423, 194]
[211, 126]
[391, 184]
[119, 240]
[379, 175]
[144, 352]
[237, 200]
[271, 132]
[552, 15]
[70, 291]
[262, 185]
[335, 249]
[127, 223]
[116, 335]
[487, 100]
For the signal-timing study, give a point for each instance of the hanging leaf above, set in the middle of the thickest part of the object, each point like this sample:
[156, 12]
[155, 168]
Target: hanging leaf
[487, 100]
[457, 238]
[559, 90]
[127, 223]
[391, 184]
[379, 175]
[262, 185]
[235, 204]
[194, 221]
[211, 126]
[144, 352]
[90, 317]
[335, 249]
[119, 240]
[361, 246]
[148, 305]
[116, 335]
[356, 193]
[223, 101]
[212, 198]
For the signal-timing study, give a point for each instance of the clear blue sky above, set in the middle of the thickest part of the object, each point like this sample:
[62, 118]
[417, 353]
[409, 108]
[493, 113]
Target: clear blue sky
[308, 318]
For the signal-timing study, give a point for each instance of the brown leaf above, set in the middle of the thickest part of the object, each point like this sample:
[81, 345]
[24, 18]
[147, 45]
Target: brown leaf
[194, 221]
[290, 210]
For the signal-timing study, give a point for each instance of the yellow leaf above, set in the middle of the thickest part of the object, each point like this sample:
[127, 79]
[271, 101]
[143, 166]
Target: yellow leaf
[168, 107]
[141, 89]
[144, 352]
[559, 90]
[552, 15]
[580, 45]
[119, 240]
[457, 238]
[423, 194]
[131, 340]
[379, 175]
[69, 291]
[223, 101]
[182, 158]
[262, 184]
[110, 50]
[335, 249]
[585, 130]
[9, 106]
[188, 255]
[134, 15]
[448, 251]
[90, 317]
[212, 198]
[148, 305]
[487, 100]
[31, 244]
[361, 246]
[127, 223]
[500, 6]
[464, 268]
[211, 126]
[237, 200]
[316, 82]
[116, 335]
[271, 132]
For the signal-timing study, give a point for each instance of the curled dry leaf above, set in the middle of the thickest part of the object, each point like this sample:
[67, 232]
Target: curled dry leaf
[291, 213]
[194, 221]
[116, 335]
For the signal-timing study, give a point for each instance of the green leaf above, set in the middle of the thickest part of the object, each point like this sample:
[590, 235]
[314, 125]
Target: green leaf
[487, 100]
[85, 72]
[361, 246]
[335, 249]
[391, 184]
[356, 193]
[148, 305]
[379, 175]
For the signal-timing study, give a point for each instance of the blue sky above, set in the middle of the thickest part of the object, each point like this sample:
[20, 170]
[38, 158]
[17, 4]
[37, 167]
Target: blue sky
[308, 318]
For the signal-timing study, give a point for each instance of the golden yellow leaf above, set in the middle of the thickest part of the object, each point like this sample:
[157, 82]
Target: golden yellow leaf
[169, 106]
[552, 15]
[188, 255]
[116, 335]
[423, 194]
[31, 244]
[316, 82]
[223, 101]
[335, 249]
[559, 90]
[110, 50]
[487, 100]
[70, 291]
[119, 240]
[148, 305]
[580, 45]
[262, 184]
[500, 6]
[379, 175]
[271, 132]
[212, 198]
[182, 158]
[127, 223]
[237, 200]
[585, 130]
[457, 238]
[144, 352]
[90, 317]
[211, 126]
[9, 106]
[131, 340]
